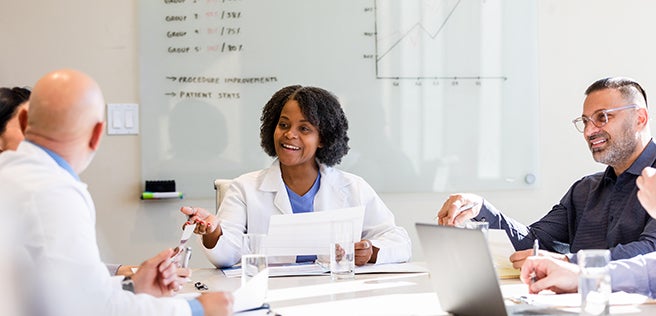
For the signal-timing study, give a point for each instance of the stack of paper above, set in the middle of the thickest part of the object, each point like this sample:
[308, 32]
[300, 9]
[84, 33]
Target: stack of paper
[501, 248]
[309, 233]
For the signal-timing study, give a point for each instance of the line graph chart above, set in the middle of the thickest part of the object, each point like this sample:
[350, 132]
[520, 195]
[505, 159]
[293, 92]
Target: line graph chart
[420, 26]
[439, 39]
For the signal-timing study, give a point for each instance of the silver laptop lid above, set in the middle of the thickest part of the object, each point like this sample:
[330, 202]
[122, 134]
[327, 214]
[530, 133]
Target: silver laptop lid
[461, 270]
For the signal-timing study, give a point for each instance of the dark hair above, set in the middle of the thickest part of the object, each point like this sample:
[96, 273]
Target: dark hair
[321, 109]
[10, 99]
[629, 88]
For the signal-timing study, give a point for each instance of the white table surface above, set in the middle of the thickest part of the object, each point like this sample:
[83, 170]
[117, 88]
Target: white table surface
[368, 294]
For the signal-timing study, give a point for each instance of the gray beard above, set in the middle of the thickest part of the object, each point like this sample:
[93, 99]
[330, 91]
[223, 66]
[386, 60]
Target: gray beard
[619, 148]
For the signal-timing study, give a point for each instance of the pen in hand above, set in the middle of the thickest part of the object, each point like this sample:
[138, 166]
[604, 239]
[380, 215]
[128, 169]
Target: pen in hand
[536, 248]
[466, 207]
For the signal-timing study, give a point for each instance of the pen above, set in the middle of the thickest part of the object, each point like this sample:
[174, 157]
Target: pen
[536, 248]
[466, 207]
[520, 299]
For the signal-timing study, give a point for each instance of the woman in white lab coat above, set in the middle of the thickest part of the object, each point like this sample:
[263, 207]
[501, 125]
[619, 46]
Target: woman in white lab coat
[305, 129]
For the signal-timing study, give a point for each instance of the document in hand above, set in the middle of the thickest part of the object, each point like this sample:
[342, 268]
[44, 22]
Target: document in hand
[309, 233]
[501, 248]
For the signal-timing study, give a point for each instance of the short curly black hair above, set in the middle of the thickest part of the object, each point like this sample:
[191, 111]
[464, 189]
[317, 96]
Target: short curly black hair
[321, 108]
[10, 99]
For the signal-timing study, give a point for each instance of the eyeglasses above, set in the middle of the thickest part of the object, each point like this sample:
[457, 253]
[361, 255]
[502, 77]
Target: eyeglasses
[599, 118]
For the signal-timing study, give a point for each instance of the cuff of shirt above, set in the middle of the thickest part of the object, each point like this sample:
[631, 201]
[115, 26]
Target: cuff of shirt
[488, 213]
[196, 308]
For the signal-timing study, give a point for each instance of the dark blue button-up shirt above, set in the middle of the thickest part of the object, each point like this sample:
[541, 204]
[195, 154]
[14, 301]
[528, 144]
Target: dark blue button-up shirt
[600, 211]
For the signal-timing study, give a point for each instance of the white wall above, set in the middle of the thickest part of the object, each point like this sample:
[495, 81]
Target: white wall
[579, 42]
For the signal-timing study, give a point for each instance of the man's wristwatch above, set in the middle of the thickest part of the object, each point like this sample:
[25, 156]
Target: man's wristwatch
[128, 284]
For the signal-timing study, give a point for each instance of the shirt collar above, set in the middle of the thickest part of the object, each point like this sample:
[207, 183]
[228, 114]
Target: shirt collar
[646, 159]
[59, 160]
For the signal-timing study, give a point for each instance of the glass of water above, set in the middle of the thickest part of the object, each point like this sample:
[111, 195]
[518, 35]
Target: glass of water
[482, 226]
[594, 281]
[342, 251]
[253, 258]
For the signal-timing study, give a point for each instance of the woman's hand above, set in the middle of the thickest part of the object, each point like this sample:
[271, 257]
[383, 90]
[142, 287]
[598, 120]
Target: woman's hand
[365, 252]
[207, 224]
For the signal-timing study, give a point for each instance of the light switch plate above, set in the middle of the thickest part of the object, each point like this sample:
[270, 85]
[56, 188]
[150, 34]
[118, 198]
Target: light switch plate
[122, 119]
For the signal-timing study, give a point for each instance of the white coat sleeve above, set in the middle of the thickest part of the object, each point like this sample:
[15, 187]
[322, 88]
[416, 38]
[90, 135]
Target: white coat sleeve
[74, 281]
[232, 218]
[379, 226]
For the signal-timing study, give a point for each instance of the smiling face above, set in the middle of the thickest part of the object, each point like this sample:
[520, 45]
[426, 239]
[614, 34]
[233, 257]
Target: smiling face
[617, 143]
[296, 139]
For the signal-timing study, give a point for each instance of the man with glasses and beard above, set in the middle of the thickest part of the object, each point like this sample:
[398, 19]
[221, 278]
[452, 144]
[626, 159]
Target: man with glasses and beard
[600, 211]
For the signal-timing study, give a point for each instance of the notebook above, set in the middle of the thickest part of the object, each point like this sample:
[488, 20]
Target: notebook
[462, 272]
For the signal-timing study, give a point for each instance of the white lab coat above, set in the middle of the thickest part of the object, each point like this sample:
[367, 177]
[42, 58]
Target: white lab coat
[57, 219]
[253, 197]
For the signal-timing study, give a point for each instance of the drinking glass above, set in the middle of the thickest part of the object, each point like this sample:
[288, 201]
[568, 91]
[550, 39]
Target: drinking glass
[253, 258]
[594, 281]
[482, 226]
[342, 251]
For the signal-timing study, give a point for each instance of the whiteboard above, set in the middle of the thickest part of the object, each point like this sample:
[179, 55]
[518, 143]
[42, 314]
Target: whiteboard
[441, 95]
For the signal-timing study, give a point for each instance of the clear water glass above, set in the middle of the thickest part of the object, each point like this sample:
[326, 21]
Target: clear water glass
[342, 252]
[253, 258]
[594, 281]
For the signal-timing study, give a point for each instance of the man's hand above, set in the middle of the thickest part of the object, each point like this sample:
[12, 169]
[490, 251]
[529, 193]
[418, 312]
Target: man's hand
[551, 274]
[216, 303]
[125, 270]
[519, 257]
[646, 184]
[157, 276]
[450, 213]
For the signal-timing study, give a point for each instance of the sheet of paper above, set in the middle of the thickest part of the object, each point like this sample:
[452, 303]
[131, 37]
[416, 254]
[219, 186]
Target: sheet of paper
[296, 269]
[292, 269]
[308, 233]
[519, 293]
[258, 312]
[501, 248]
[252, 294]
[406, 267]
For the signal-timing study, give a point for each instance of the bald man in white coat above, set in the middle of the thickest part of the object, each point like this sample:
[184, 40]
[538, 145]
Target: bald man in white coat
[39, 183]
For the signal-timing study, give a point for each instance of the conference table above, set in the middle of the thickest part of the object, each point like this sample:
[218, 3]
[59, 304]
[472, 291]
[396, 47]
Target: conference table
[379, 294]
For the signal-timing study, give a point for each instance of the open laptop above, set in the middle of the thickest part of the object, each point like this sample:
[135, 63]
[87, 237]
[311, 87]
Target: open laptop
[462, 272]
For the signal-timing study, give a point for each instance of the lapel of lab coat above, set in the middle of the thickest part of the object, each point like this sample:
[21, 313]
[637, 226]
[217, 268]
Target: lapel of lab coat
[272, 182]
[333, 191]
